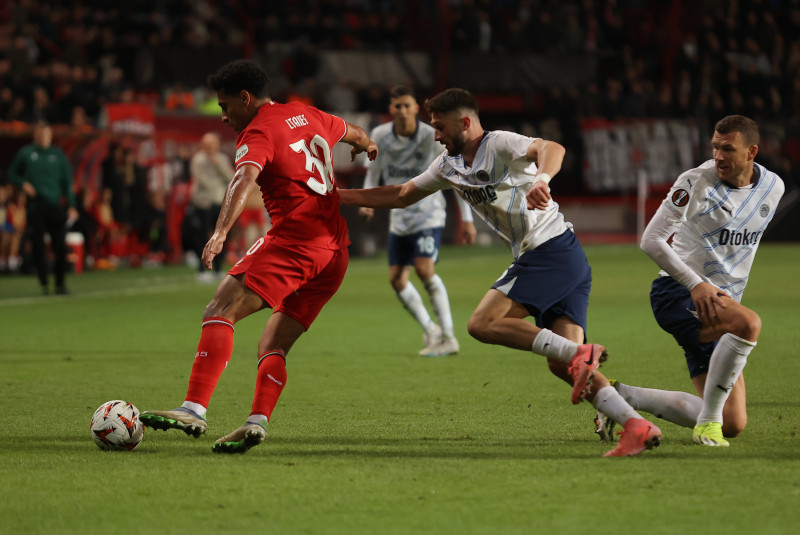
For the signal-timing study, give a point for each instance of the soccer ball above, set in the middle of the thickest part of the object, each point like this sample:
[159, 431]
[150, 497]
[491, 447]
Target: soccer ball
[116, 426]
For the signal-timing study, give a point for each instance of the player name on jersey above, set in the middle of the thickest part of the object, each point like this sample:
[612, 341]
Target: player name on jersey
[297, 120]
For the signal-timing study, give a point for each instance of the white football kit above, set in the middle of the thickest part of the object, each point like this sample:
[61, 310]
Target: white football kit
[495, 186]
[400, 159]
[717, 227]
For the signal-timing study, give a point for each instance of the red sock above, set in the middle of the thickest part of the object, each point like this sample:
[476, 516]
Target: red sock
[213, 353]
[270, 381]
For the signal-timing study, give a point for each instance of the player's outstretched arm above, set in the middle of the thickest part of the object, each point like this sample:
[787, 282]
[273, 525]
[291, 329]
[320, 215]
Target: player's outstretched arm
[240, 188]
[396, 196]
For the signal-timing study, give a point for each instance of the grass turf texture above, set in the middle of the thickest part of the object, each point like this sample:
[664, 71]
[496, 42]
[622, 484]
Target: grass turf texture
[370, 438]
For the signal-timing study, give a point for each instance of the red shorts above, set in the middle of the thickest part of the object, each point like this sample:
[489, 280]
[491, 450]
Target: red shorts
[297, 281]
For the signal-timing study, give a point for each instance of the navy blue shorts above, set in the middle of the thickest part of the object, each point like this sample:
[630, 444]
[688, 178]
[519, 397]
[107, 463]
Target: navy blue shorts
[424, 244]
[551, 281]
[674, 311]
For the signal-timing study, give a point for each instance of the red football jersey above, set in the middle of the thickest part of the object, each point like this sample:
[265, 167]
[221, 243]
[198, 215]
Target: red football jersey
[291, 145]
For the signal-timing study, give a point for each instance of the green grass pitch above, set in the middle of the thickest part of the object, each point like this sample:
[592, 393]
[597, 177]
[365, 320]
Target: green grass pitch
[370, 438]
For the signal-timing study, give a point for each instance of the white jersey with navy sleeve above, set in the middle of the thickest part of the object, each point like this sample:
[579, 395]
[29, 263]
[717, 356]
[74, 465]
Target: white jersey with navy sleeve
[718, 227]
[399, 159]
[495, 186]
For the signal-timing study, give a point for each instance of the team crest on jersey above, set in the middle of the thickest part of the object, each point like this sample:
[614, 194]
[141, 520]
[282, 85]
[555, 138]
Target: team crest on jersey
[680, 198]
[483, 176]
[241, 152]
[764, 210]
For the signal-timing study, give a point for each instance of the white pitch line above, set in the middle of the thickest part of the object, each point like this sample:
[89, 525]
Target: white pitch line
[98, 294]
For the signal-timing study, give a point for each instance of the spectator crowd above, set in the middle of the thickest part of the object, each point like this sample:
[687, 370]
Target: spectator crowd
[654, 58]
[61, 62]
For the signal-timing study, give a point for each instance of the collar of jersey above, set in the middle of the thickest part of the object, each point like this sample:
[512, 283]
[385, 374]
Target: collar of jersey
[756, 172]
[414, 135]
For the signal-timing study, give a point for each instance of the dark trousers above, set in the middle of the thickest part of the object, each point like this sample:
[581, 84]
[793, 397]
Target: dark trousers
[205, 221]
[51, 219]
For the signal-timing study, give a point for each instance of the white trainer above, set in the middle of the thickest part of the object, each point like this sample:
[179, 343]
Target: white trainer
[430, 339]
[448, 346]
[181, 418]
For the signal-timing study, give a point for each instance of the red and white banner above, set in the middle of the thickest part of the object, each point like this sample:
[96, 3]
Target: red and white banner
[131, 118]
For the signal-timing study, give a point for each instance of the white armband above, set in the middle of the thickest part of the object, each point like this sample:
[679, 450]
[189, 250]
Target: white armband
[542, 177]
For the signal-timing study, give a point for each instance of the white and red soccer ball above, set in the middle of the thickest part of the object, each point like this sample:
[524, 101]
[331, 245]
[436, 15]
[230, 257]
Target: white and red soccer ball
[116, 426]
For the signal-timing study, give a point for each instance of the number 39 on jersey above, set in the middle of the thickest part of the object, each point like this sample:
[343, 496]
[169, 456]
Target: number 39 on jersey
[318, 162]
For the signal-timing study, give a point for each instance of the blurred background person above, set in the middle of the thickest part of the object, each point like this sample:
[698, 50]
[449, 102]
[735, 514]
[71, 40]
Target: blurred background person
[12, 227]
[43, 172]
[211, 171]
[251, 225]
[406, 147]
[124, 190]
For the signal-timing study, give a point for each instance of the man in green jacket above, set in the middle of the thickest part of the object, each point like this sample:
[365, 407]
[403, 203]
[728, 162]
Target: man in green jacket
[44, 174]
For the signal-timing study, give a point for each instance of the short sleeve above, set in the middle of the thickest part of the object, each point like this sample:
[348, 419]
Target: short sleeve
[338, 127]
[513, 145]
[431, 179]
[674, 206]
[253, 147]
[333, 124]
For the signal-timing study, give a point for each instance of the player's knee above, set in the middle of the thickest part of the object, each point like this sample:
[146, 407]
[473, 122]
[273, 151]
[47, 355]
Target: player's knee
[754, 326]
[213, 310]
[478, 328]
[747, 326]
[220, 308]
[424, 273]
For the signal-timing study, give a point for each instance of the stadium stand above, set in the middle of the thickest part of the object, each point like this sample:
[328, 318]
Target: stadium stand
[631, 88]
